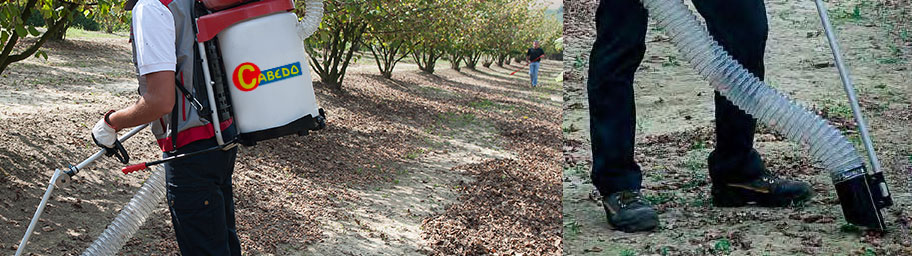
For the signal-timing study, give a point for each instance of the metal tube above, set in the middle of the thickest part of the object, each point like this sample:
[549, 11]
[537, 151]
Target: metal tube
[44, 199]
[849, 88]
[57, 174]
[100, 153]
[215, 120]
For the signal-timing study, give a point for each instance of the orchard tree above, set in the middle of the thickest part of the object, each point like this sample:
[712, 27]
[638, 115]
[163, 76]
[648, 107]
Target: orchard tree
[14, 28]
[436, 23]
[550, 31]
[390, 35]
[339, 36]
[113, 19]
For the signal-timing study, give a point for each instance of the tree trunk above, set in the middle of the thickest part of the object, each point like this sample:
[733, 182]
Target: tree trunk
[426, 60]
[337, 53]
[487, 61]
[5, 55]
[454, 61]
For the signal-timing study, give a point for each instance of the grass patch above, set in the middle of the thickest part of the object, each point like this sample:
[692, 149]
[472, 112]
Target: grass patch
[660, 198]
[695, 159]
[578, 170]
[570, 129]
[79, 33]
[483, 104]
[414, 154]
[699, 179]
[430, 90]
[671, 61]
[837, 109]
[579, 62]
[722, 246]
[453, 119]
[572, 228]
[849, 228]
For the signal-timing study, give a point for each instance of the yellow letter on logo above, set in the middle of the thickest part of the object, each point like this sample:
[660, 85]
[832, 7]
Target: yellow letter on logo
[243, 81]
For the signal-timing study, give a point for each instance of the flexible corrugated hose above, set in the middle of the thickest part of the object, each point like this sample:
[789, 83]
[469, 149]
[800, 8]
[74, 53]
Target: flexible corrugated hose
[827, 144]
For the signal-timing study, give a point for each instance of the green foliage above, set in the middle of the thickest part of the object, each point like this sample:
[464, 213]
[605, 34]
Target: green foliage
[390, 32]
[332, 46]
[21, 18]
[81, 21]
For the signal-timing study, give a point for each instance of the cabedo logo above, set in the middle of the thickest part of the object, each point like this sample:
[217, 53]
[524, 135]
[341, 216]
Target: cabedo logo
[248, 76]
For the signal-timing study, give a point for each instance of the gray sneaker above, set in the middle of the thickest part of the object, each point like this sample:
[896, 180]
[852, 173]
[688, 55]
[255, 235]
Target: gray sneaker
[628, 212]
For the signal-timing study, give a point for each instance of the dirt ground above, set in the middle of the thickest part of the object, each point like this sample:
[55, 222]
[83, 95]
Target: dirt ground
[452, 163]
[675, 135]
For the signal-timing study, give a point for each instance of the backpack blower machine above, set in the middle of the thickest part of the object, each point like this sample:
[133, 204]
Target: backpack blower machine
[256, 73]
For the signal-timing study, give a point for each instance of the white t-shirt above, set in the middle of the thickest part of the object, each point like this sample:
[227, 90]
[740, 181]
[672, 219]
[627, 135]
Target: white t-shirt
[153, 34]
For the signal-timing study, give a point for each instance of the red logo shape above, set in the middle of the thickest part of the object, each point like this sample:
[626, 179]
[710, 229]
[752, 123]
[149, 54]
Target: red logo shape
[246, 76]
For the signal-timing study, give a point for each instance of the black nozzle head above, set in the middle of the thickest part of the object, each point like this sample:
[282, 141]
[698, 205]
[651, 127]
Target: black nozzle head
[862, 197]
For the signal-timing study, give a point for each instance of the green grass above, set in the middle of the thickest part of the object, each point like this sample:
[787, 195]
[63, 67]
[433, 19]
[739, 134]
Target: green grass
[578, 170]
[579, 62]
[837, 109]
[671, 61]
[660, 198]
[79, 33]
[436, 92]
[571, 227]
[570, 129]
[695, 159]
[849, 228]
[722, 245]
[412, 155]
[482, 104]
[628, 252]
[698, 180]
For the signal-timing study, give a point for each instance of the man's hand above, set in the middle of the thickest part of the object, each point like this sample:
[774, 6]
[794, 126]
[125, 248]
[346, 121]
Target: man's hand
[105, 136]
[104, 133]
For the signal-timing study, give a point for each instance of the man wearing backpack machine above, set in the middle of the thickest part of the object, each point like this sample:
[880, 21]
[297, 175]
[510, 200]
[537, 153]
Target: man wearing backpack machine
[738, 174]
[199, 190]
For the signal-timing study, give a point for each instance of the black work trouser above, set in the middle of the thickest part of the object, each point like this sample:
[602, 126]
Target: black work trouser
[740, 26]
[201, 200]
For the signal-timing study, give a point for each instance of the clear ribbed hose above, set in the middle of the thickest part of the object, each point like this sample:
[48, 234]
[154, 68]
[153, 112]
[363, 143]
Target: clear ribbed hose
[737, 84]
[131, 217]
[313, 14]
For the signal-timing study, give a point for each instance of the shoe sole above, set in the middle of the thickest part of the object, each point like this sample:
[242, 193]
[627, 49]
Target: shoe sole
[729, 198]
[637, 224]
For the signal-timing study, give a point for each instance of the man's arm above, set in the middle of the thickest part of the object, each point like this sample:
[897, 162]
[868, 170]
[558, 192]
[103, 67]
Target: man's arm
[153, 38]
[155, 103]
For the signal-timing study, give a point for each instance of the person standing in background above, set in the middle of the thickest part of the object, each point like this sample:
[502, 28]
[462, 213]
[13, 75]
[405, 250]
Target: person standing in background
[533, 55]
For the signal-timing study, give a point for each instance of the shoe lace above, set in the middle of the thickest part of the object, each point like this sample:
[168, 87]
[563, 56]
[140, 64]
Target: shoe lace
[769, 177]
[629, 198]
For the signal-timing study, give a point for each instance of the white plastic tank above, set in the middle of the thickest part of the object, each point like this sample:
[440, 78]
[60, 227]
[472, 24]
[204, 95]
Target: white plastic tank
[268, 73]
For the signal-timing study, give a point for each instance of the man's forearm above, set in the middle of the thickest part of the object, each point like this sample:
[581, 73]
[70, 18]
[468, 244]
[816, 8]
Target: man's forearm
[158, 101]
[140, 113]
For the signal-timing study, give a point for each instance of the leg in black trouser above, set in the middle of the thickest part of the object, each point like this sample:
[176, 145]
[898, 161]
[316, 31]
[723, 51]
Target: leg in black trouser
[739, 26]
[741, 29]
[201, 201]
[618, 49]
